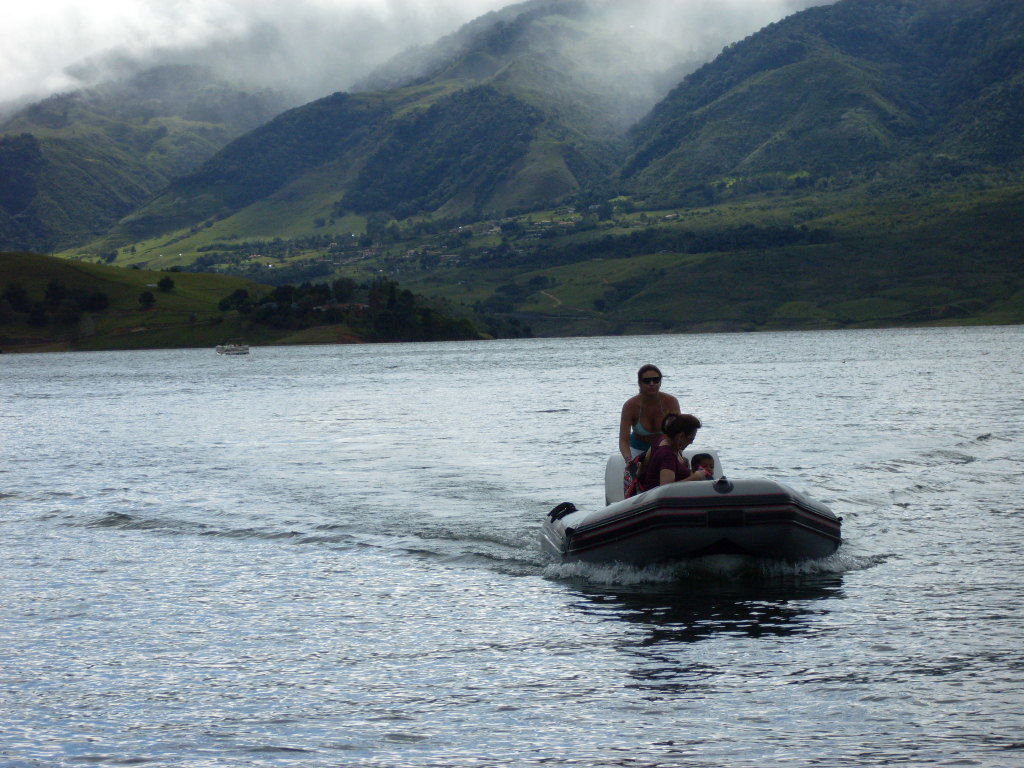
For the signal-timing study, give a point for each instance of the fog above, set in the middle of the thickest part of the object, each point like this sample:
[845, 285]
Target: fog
[306, 47]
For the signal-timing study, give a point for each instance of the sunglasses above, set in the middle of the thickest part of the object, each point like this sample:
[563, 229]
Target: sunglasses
[651, 380]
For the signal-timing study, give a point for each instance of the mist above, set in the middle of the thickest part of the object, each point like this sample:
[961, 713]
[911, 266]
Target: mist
[308, 48]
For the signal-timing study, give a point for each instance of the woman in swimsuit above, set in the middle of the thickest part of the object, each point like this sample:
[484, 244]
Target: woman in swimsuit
[640, 426]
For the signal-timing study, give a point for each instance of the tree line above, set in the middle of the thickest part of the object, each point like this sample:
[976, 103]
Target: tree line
[58, 305]
[379, 311]
[743, 238]
[61, 305]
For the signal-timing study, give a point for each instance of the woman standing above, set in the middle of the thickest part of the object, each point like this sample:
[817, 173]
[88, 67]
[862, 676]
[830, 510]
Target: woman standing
[642, 414]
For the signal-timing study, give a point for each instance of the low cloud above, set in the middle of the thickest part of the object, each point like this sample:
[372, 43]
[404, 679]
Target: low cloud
[306, 47]
[311, 47]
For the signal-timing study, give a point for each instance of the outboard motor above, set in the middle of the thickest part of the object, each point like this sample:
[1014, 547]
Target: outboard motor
[561, 510]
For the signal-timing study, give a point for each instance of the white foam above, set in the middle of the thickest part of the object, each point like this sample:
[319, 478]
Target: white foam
[726, 567]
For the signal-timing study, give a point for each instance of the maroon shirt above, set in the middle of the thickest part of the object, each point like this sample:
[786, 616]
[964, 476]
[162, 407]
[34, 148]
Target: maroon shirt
[663, 457]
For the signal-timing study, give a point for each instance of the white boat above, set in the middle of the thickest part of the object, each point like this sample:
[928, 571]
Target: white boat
[755, 517]
[233, 347]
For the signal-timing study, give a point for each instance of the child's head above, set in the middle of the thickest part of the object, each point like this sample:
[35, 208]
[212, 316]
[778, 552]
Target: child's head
[703, 461]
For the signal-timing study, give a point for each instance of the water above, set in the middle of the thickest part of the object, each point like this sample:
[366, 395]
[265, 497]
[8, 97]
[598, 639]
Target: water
[328, 556]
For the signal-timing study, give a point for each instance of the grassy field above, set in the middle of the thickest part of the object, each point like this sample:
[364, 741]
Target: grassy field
[951, 258]
[52, 304]
[185, 316]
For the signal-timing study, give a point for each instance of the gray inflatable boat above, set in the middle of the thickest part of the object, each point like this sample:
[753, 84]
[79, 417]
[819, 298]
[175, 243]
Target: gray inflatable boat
[755, 517]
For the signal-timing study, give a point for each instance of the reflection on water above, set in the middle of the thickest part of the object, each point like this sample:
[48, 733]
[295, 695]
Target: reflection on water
[700, 609]
[670, 618]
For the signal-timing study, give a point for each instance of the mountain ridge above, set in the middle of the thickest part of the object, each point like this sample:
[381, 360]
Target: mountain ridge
[82, 160]
[850, 86]
[569, 123]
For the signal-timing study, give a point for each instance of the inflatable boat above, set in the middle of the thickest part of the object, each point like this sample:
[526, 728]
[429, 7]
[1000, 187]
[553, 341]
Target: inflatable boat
[755, 517]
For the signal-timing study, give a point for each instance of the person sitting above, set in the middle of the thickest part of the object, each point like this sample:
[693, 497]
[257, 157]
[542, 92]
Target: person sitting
[704, 461]
[643, 413]
[663, 464]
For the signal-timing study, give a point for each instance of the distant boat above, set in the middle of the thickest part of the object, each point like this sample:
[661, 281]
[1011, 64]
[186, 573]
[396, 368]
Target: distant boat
[233, 347]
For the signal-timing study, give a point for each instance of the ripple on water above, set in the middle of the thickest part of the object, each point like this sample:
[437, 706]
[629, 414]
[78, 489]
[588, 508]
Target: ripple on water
[329, 556]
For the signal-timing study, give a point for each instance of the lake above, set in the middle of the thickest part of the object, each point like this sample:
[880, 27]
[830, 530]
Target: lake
[329, 556]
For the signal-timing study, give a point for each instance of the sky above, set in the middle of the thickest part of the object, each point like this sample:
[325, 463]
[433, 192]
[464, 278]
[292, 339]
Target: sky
[312, 46]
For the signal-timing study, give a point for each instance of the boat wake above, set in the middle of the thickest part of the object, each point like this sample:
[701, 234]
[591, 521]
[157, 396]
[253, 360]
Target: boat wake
[716, 567]
[511, 548]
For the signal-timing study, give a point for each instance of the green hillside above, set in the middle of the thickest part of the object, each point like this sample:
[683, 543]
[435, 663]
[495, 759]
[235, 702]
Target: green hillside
[74, 164]
[286, 147]
[840, 94]
[517, 118]
[759, 264]
[48, 303]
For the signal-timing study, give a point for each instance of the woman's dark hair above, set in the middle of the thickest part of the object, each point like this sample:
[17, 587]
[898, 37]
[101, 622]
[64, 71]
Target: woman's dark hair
[680, 423]
[645, 368]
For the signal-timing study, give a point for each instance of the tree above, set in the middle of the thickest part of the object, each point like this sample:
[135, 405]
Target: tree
[17, 296]
[37, 315]
[283, 294]
[7, 313]
[237, 300]
[68, 312]
[147, 299]
[95, 301]
[344, 289]
[55, 293]
[165, 284]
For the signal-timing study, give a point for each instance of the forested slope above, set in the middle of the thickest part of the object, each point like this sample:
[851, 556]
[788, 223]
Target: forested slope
[75, 163]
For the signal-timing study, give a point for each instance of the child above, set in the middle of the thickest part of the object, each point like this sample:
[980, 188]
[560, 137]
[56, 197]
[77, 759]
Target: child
[704, 461]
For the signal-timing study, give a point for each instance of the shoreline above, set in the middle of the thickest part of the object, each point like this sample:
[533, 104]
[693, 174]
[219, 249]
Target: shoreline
[66, 346]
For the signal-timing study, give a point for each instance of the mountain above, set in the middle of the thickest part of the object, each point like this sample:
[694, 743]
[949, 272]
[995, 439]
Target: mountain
[614, 50]
[856, 164]
[75, 163]
[546, 102]
[861, 87]
[515, 111]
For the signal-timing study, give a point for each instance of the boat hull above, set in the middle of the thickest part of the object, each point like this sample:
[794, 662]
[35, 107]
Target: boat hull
[755, 517]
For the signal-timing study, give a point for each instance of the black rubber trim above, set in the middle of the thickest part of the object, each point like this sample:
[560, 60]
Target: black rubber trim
[657, 516]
